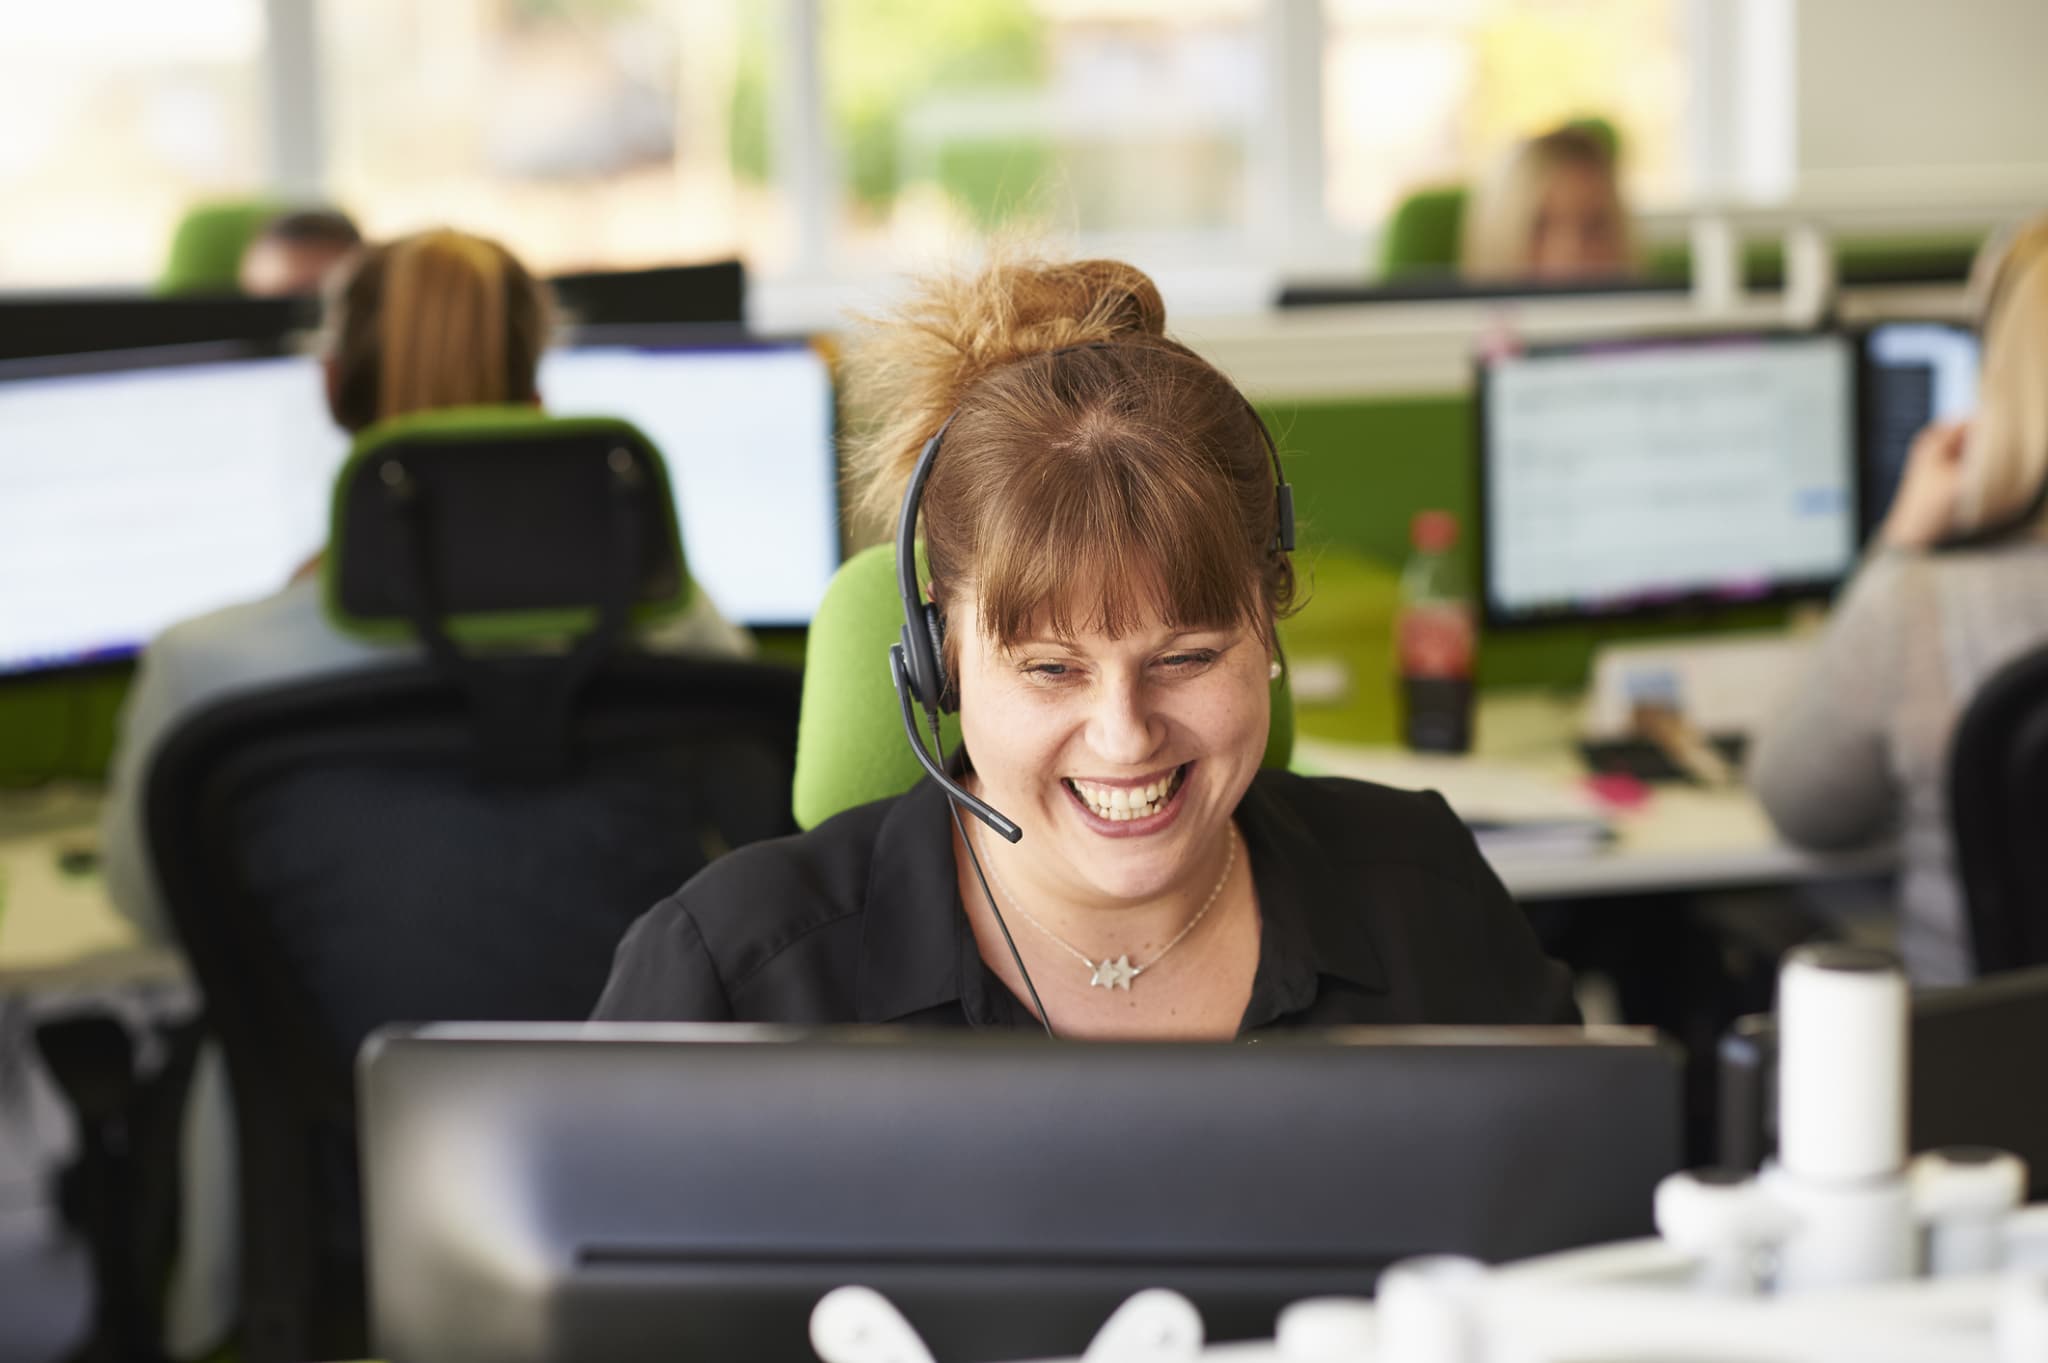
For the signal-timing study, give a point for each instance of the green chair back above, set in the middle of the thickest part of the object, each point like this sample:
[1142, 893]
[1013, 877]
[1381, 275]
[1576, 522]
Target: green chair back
[1343, 636]
[850, 748]
[482, 471]
[1424, 234]
[206, 248]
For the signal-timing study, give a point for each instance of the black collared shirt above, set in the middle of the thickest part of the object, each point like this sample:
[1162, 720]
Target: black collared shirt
[1376, 907]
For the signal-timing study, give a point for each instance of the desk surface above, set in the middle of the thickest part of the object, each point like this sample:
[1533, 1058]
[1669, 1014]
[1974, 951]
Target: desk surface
[1681, 838]
[56, 925]
[55, 922]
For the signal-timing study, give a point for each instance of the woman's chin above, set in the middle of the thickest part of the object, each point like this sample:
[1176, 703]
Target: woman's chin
[1129, 868]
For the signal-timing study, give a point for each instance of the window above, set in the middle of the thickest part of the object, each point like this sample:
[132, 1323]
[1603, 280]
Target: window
[1431, 91]
[579, 132]
[1124, 119]
[120, 114]
[814, 138]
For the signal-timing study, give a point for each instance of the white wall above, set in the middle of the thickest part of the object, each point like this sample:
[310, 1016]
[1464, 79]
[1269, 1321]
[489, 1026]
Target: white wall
[1958, 86]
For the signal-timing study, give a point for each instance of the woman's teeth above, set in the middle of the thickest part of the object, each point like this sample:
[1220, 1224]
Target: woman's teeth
[1120, 804]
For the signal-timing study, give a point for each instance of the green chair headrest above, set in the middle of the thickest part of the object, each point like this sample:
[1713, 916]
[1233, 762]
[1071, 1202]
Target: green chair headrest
[1425, 233]
[524, 525]
[850, 748]
[206, 249]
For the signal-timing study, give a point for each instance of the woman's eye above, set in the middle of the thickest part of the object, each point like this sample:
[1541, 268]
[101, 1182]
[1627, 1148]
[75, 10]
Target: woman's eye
[1046, 669]
[1182, 662]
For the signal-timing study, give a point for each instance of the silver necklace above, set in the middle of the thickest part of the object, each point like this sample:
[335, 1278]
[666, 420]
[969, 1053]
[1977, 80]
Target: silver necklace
[1118, 973]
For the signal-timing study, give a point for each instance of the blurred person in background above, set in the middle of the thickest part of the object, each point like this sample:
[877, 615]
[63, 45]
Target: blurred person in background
[296, 251]
[1552, 212]
[1955, 587]
[441, 319]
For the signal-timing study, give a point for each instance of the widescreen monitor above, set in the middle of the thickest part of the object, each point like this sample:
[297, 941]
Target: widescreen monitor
[1910, 374]
[138, 489]
[1632, 477]
[748, 433]
[142, 488]
[536, 1194]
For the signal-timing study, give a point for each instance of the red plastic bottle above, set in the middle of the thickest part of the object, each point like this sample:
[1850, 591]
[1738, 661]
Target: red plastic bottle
[1436, 637]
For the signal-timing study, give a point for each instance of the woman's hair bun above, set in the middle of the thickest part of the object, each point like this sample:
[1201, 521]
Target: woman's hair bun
[908, 370]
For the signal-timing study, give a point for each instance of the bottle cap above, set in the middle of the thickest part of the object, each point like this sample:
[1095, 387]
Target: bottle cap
[1433, 532]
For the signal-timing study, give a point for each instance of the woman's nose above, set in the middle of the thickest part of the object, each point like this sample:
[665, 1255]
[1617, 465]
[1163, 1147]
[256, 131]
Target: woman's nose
[1122, 728]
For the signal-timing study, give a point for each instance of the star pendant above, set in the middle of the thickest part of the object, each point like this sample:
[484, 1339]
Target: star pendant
[1116, 974]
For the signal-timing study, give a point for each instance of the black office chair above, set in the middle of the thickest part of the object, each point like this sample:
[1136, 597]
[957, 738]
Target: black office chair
[461, 835]
[1998, 810]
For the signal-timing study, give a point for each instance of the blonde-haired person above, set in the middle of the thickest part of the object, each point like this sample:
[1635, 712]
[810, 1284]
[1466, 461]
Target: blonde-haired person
[1956, 586]
[438, 319]
[1551, 211]
[1100, 523]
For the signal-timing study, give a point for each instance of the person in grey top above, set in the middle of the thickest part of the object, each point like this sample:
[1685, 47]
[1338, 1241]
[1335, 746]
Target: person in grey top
[1956, 588]
[434, 320]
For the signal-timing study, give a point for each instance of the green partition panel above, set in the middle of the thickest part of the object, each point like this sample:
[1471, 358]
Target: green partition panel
[61, 726]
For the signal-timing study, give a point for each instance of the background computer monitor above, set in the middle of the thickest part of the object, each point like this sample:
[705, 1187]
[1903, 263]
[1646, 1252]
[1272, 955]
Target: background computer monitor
[710, 293]
[1909, 374]
[1974, 1077]
[539, 1193]
[36, 325]
[1622, 478]
[142, 488]
[747, 429]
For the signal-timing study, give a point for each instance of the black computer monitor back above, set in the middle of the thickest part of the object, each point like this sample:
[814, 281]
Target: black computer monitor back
[679, 1192]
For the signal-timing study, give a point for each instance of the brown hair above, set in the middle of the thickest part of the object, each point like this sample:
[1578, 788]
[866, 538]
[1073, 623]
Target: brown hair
[1500, 215]
[438, 319]
[1093, 467]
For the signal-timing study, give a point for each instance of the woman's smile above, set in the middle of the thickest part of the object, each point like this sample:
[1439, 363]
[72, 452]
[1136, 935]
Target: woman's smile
[1132, 808]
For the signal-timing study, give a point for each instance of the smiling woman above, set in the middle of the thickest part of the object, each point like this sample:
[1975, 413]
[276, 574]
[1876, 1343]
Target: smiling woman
[1104, 523]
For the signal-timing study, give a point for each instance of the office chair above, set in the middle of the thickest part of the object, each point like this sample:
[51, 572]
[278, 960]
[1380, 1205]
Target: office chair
[464, 833]
[850, 747]
[1424, 233]
[206, 248]
[1997, 791]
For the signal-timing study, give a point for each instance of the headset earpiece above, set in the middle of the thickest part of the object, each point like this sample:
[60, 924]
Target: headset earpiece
[935, 660]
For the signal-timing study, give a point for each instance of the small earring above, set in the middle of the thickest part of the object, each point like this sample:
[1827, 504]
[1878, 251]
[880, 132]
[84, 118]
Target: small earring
[1273, 672]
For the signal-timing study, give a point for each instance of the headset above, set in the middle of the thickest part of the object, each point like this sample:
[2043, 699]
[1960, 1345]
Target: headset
[917, 664]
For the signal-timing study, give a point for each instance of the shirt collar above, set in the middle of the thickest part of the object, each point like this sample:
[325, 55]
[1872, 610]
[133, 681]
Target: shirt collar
[1310, 923]
[917, 952]
[910, 954]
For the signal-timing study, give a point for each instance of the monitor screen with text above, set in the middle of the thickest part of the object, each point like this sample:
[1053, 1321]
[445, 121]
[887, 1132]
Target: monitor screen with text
[1622, 478]
[748, 435]
[134, 497]
[144, 488]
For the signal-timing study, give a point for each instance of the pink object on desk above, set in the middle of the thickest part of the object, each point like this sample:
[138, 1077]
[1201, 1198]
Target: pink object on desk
[1618, 790]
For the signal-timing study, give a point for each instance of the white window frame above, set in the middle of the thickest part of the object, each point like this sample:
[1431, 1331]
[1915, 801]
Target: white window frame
[1742, 146]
